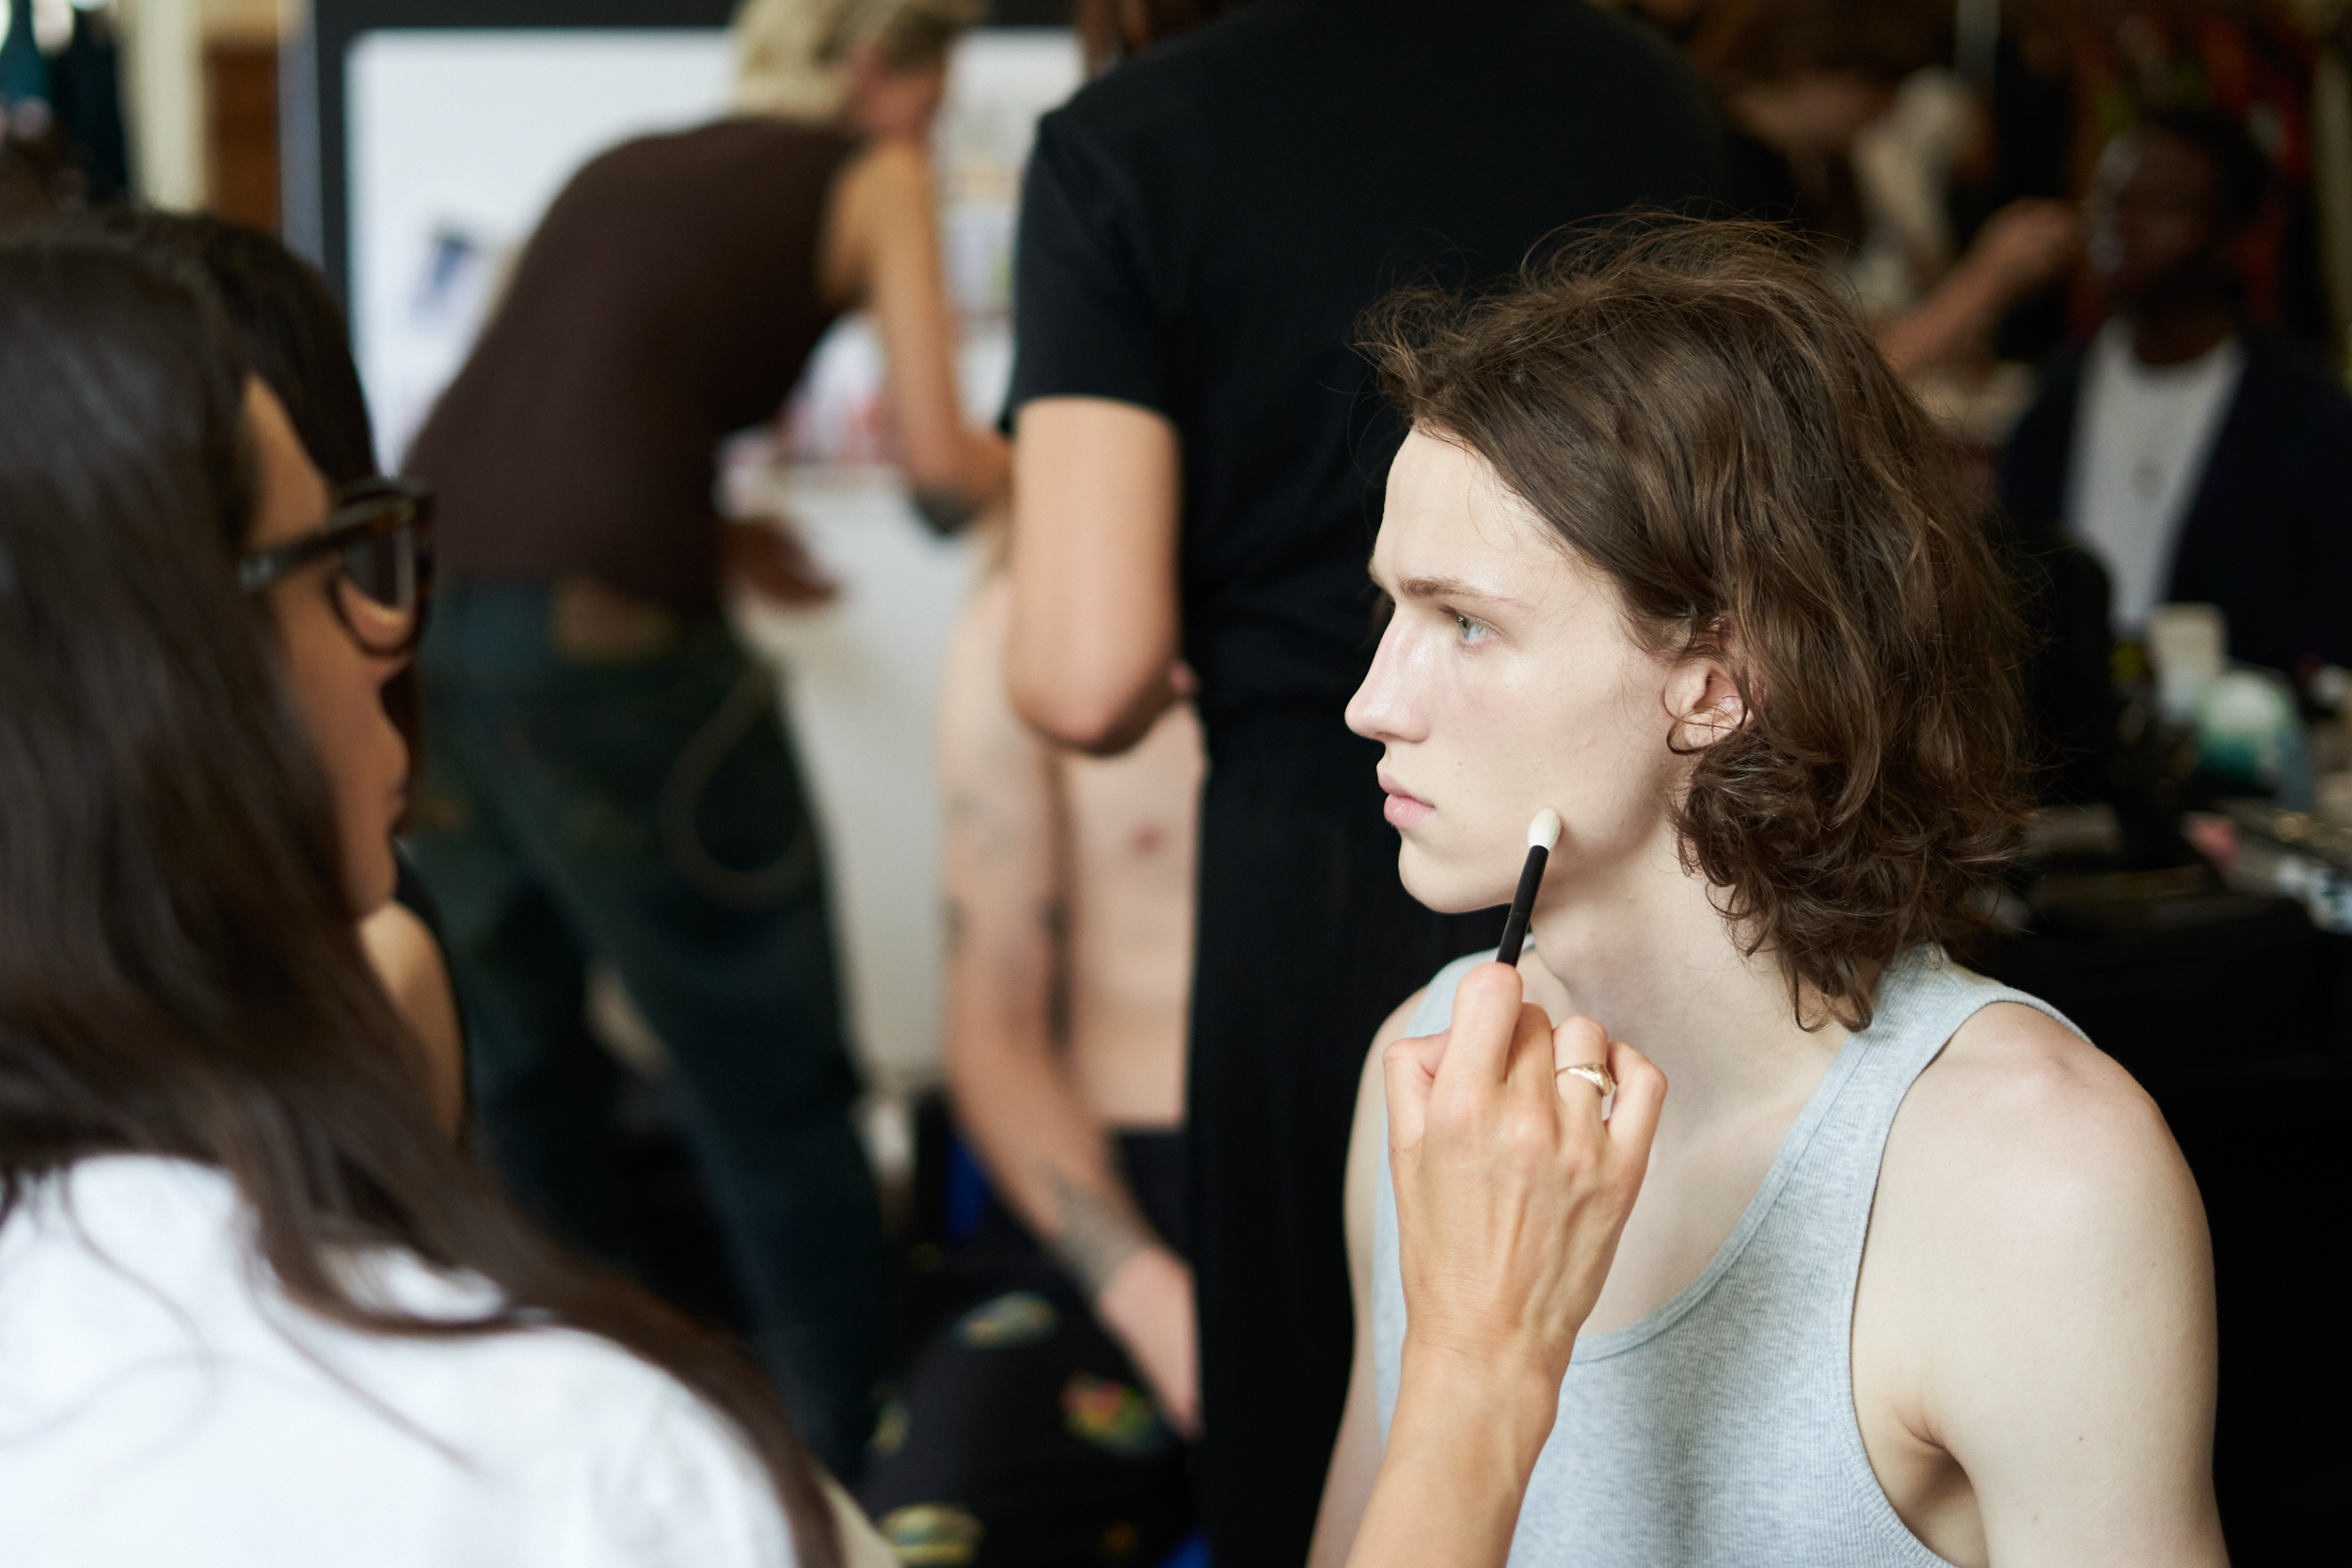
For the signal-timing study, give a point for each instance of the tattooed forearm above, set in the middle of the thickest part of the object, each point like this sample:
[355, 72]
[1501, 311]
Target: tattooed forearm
[1097, 1232]
[987, 830]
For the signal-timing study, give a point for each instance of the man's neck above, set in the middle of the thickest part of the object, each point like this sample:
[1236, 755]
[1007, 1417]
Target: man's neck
[1654, 962]
[2175, 332]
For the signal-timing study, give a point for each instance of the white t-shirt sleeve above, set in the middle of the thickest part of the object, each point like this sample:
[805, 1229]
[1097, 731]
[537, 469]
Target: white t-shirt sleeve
[861, 1545]
[675, 1488]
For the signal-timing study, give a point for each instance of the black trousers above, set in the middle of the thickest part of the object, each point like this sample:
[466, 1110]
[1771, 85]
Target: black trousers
[1021, 1436]
[1307, 942]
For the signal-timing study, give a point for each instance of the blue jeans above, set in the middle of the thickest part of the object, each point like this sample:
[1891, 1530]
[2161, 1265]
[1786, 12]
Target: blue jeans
[651, 815]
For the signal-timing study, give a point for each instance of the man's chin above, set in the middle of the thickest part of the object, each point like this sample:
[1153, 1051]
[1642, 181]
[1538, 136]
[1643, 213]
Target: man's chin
[1445, 890]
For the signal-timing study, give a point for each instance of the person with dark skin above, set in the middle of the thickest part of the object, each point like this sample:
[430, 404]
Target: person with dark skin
[2197, 457]
[2168, 224]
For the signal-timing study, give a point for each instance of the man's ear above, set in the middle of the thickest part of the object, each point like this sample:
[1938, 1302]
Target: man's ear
[1707, 704]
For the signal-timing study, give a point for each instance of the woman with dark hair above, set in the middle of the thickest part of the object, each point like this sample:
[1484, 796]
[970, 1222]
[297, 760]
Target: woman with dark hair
[256, 1307]
[292, 336]
[1916, 1276]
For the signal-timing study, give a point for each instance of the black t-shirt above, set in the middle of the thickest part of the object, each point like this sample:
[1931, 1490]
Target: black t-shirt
[1204, 226]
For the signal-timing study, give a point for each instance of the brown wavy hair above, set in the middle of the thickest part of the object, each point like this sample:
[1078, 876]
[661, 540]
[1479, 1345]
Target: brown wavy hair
[1693, 410]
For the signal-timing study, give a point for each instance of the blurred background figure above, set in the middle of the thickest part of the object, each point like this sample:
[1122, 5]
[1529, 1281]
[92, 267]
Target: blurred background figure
[62, 146]
[1844, 124]
[606, 774]
[2195, 456]
[1200, 231]
[1064, 1315]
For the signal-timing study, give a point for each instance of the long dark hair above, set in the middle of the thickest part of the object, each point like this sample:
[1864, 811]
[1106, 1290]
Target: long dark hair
[179, 974]
[286, 321]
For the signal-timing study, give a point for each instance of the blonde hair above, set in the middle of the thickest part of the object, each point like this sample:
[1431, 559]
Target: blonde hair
[789, 53]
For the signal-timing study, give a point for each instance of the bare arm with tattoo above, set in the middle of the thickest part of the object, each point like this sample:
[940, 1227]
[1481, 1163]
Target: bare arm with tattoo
[1045, 1146]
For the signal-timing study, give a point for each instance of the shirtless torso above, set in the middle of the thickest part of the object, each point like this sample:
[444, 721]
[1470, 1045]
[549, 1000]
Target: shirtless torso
[1128, 825]
[1070, 889]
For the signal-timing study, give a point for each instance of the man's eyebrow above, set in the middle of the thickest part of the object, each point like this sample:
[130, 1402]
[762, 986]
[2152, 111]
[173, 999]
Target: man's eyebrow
[1450, 588]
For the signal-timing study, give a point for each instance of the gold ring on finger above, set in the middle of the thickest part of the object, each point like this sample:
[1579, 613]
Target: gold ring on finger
[1595, 1073]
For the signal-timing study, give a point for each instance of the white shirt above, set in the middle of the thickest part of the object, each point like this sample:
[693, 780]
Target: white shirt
[163, 1404]
[2142, 436]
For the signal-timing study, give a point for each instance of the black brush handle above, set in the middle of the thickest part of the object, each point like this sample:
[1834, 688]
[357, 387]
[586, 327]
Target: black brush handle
[1522, 906]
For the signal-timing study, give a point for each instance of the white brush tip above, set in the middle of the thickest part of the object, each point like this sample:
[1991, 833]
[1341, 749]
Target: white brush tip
[1543, 832]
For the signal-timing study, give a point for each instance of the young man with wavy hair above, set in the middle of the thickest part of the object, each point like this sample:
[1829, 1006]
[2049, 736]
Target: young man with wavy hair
[1917, 1275]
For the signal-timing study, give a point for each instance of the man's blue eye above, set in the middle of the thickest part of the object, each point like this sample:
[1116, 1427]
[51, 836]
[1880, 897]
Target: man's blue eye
[1469, 630]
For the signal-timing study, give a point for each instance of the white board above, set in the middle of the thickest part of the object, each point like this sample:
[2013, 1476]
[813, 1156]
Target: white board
[459, 138]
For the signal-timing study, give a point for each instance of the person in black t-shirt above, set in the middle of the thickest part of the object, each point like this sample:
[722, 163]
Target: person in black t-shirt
[1199, 460]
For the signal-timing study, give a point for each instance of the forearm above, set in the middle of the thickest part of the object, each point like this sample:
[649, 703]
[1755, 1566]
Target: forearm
[1461, 1447]
[944, 455]
[1946, 323]
[1049, 1155]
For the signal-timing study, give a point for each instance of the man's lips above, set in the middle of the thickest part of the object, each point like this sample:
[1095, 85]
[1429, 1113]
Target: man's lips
[1401, 809]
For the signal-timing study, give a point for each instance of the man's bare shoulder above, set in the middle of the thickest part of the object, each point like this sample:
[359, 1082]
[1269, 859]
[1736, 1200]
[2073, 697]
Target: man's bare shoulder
[1372, 1087]
[1366, 1138]
[2025, 1128]
[2037, 1305]
[1393, 1026]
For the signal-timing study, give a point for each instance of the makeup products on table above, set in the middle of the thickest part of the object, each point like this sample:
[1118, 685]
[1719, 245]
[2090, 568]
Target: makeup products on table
[1542, 834]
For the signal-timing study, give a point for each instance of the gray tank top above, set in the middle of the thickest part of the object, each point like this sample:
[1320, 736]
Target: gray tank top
[1720, 1428]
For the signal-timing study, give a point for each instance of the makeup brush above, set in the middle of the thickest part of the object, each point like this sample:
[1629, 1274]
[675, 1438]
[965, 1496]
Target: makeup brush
[1542, 834]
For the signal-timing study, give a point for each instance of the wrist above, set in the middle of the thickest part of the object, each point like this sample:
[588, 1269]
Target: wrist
[1136, 1275]
[1510, 1400]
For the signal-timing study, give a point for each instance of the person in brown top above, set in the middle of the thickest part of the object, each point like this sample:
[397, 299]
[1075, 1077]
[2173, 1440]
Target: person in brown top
[607, 775]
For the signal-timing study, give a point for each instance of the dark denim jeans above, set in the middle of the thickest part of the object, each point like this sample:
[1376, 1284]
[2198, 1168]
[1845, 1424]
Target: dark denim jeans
[651, 815]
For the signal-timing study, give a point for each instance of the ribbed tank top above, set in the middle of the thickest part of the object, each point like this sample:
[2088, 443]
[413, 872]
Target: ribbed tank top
[1720, 1428]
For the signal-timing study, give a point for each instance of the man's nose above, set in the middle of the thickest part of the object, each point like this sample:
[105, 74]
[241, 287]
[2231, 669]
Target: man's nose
[1379, 710]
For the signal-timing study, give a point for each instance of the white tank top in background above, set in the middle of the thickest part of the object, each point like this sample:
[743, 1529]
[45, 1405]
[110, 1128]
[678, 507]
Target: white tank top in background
[1720, 1428]
[164, 1403]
